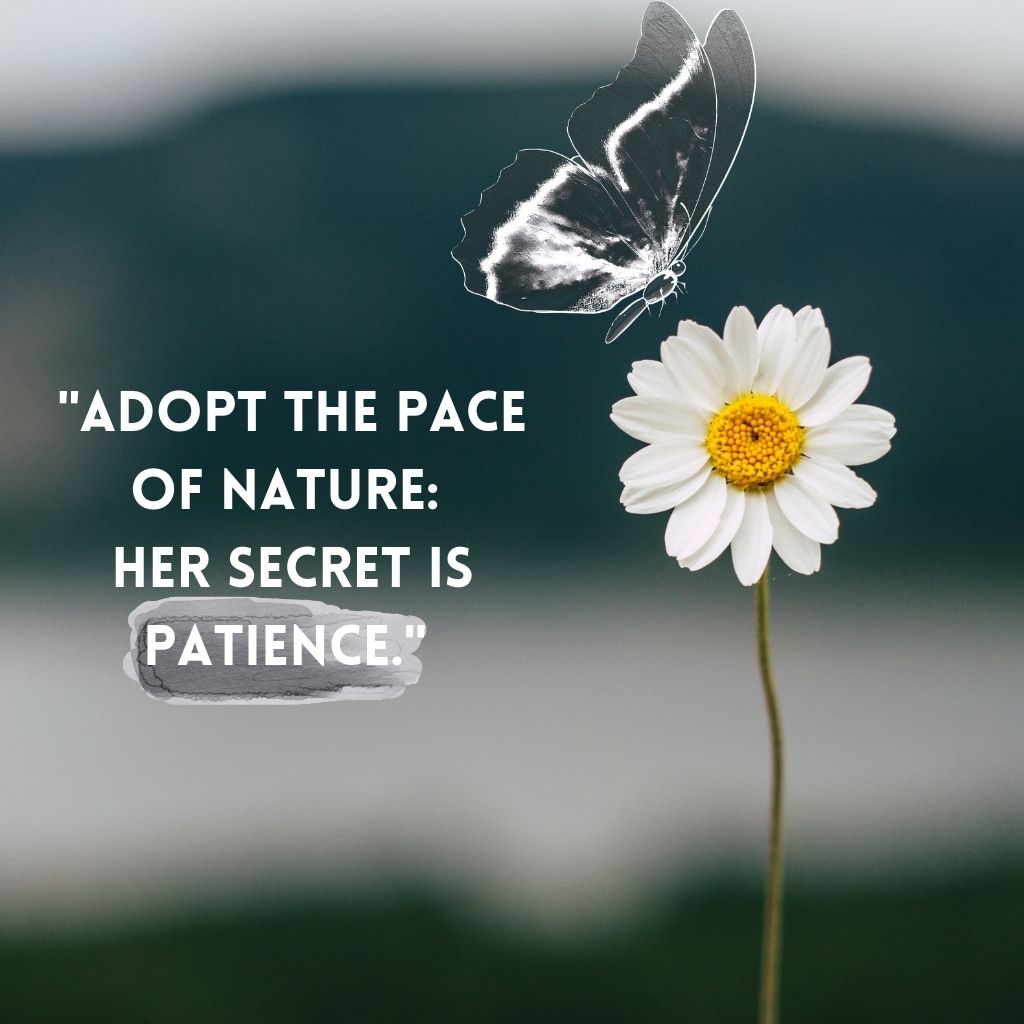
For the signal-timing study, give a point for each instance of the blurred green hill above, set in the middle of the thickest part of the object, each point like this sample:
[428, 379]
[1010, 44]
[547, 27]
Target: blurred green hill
[302, 240]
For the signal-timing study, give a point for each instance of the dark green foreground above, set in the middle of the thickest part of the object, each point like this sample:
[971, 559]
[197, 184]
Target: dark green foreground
[899, 953]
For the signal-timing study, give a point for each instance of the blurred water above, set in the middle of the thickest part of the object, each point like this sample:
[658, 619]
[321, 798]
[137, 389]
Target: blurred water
[575, 738]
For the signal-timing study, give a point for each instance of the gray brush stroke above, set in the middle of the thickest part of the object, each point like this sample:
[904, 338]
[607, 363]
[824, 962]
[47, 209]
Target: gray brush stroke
[260, 684]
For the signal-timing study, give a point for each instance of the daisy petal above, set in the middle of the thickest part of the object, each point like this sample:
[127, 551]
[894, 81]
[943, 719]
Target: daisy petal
[777, 337]
[835, 483]
[806, 370]
[742, 346]
[699, 366]
[693, 522]
[690, 329]
[752, 545]
[645, 500]
[811, 515]
[840, 387]
[807, 318]
[657, 419]
[799, 552]
[663, 464]
[858, 435]
[650, 379]
[732, 515]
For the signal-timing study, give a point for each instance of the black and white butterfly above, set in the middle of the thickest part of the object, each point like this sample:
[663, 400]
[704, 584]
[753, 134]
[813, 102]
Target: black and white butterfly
[578, 235]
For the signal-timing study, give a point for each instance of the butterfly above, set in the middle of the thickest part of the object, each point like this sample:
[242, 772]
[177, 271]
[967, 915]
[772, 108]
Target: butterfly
[557, 234]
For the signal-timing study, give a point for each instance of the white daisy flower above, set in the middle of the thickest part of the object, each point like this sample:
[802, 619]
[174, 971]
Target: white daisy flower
[749, 440]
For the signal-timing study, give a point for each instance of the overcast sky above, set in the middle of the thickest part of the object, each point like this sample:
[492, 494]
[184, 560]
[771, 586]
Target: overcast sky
[81, 70]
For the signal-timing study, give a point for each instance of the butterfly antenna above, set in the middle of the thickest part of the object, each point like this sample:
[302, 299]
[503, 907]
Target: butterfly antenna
[691, 243]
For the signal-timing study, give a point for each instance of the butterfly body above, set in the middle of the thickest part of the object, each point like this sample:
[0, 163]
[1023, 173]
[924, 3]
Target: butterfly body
[660, 288]
[556, 234]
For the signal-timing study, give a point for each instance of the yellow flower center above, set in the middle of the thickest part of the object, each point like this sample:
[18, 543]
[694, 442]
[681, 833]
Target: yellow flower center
[754, 440]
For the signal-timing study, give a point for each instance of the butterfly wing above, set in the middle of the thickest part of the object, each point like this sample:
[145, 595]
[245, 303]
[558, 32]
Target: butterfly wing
[577, 236]
[549, 237]
[731, 54]
[649, 135]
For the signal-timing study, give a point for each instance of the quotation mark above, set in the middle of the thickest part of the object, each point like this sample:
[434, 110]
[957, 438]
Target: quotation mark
[417, 630]
[69, 398]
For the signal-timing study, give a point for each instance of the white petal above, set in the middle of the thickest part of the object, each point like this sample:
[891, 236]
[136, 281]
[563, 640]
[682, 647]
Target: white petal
[835, 483]
[806, 369]
[699, 366]
[858, 435]
[657, 419]
[645, 500]
[800, 553]
[808, 318]
[732, 515]
[650, 378]
[752, 545]
[663, 464]
[869, 416]
[693, 522]
[777, 337]
[699, 332]
[841, 386]
[743, 348]
[812, 516]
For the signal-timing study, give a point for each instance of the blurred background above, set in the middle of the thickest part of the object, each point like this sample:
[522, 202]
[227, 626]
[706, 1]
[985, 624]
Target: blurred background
[565, 819]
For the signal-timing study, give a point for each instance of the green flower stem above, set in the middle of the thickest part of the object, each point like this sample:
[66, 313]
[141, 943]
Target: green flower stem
[771, 941]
